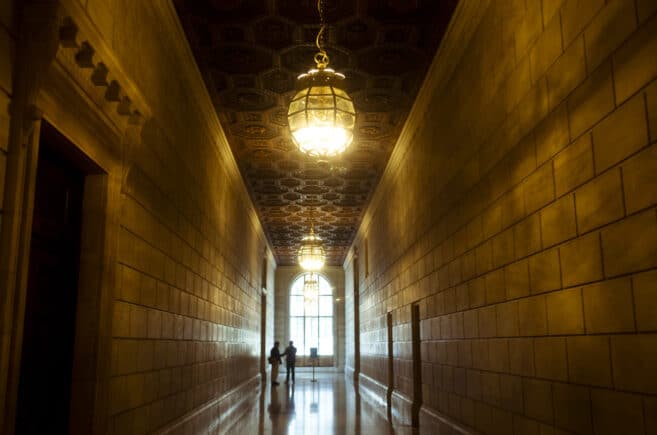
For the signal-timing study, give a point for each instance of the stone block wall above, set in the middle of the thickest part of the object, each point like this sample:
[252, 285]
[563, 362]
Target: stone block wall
[519, 211]
[186, 326]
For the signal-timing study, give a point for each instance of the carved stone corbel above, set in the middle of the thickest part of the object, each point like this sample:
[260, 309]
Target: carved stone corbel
[33, 117]
[83, 55]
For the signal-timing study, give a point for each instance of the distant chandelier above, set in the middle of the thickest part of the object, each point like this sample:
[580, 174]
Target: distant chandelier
[311, 253]
[310, 288]
[321, 115]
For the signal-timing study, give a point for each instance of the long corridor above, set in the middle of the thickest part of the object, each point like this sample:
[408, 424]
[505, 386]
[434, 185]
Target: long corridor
[328, 406]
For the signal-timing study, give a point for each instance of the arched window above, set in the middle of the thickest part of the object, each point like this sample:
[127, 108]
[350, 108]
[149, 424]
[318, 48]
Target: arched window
[311, 320]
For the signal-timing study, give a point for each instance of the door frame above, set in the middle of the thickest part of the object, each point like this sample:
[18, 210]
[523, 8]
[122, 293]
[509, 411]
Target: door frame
[356, 316]
[91, 245]
[96, 276]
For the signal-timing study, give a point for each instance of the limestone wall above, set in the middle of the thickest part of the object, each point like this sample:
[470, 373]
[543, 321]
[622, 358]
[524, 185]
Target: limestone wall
[519, 212]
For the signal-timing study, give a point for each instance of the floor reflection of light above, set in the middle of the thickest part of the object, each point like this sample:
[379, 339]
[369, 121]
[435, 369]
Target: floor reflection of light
[330, 406]
[314, 404]
[316, 400]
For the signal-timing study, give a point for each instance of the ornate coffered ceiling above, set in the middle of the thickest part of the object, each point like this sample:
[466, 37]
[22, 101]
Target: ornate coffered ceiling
[250, 53]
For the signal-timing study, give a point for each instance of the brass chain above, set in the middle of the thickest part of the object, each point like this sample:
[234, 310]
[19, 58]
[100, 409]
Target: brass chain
[321, 57]
[312, 222]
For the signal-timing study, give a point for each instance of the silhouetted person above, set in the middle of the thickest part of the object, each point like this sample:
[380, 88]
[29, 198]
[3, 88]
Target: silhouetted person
[275, 361]
[290, 360]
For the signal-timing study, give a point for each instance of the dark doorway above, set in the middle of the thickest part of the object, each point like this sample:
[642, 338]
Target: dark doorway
[391, 365]
[263, 320]
[417, 365]
[356, 321]
[44, 392]
[263, 337]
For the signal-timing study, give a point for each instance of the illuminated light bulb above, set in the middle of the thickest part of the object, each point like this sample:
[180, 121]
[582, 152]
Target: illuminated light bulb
[311, 254]
[321, 116]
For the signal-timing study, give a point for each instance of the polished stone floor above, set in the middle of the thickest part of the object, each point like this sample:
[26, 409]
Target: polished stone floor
[328, 406]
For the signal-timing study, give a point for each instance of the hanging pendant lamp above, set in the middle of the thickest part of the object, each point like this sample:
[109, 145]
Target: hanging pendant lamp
[311, 254]
[321, 116]
[310, 288]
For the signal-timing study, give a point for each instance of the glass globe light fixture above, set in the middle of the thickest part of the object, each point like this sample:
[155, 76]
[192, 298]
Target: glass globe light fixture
[321, 115]
[311, 254]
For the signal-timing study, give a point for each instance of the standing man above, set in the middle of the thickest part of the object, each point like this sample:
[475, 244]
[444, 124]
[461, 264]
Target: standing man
[290, 359]
[275, 361]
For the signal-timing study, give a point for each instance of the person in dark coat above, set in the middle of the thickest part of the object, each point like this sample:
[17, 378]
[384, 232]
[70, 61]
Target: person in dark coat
[290, 360]
[275, 361]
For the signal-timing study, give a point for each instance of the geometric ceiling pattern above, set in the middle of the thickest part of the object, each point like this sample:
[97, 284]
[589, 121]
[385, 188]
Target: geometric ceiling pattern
[250, 53]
